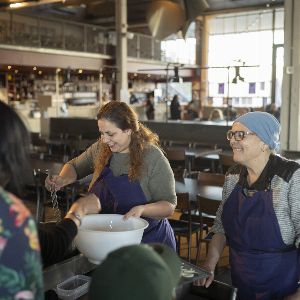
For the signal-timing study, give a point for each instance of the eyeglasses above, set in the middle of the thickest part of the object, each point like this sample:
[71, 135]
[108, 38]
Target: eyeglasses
[238, 135]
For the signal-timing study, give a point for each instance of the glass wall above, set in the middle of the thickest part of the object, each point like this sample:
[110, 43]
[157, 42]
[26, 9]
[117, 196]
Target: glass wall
[240, 58]
[180, 50]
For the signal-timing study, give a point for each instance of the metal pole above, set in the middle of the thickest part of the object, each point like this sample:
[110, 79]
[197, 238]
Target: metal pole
[100, 86]
[167, 85]
[227, 102]
[57, 91]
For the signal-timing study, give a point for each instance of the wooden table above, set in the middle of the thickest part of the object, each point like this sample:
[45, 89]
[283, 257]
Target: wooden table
[194, 188]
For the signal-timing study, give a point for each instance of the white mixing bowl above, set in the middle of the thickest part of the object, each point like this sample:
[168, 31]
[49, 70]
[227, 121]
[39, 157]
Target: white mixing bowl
[100, 234]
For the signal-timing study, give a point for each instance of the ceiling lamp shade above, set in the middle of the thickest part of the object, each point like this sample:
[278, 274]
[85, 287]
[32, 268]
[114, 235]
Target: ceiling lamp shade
[165, 18]
[237, 76]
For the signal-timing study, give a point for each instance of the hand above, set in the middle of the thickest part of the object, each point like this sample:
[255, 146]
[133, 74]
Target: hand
[89, 204]
[205, 281]
[136, 211]
[54, 183]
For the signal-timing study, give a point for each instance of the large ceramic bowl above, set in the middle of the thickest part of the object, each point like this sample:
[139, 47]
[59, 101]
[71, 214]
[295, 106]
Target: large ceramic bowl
[100, 234]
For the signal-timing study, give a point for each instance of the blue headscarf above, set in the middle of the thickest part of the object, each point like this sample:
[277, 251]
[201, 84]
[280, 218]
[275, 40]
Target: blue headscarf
[264, 125]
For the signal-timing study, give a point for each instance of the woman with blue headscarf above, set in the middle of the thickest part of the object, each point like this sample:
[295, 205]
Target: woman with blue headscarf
[259, 217]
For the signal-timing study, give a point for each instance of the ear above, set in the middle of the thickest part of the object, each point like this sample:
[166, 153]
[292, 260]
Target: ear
[264, 147]
[128, 131]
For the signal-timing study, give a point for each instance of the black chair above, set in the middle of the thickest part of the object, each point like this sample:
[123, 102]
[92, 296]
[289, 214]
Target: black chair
[38, 144]
[185, 228]
[225, 162]
[211, 178]
[207, 210]
[177, 160]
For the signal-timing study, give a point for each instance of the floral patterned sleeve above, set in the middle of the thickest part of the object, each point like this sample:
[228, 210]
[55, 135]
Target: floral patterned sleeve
[20, 263]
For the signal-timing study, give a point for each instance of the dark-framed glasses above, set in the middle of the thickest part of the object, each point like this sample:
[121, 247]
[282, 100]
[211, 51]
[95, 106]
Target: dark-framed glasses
[238, 135]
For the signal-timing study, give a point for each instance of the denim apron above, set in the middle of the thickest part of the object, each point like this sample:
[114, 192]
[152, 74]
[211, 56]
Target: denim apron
[262, 266]
[118, 195]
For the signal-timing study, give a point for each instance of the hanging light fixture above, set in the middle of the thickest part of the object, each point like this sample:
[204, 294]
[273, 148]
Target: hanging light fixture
[237, 75]
[176, 77]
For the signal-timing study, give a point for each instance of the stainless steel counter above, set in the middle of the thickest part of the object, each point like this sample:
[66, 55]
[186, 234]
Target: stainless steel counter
[59, 272]
[79, 264]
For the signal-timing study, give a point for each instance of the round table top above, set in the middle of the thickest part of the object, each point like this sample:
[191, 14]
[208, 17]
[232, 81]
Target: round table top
[194, 188]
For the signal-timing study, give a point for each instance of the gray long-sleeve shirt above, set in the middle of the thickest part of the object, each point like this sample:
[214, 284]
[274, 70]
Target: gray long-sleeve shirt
[157, 179]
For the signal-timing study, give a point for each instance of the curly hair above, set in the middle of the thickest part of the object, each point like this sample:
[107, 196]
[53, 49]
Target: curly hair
[124, 117]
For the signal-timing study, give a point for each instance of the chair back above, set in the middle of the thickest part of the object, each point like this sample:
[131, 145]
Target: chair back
[177, 160]
[207, 209]
[185, 227]
[211, 178]
[175, 154]
[225, 161]
[183, 202]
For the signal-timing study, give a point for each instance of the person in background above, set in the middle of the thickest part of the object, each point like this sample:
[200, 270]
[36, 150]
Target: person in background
[20, 264]
[175, 108]
[272, 109]
[192, 110]
[105, 98]
[259, 217]
[229, 113]
[131, 176]
[133, 99]
[243, 111]
[216, 115]
[150, 110]
[148, 272]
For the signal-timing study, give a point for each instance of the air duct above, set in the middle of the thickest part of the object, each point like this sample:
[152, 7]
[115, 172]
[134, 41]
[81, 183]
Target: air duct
[165, 18]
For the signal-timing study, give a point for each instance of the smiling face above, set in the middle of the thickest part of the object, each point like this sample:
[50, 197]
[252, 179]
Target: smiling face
[118, 140]
[248, 150]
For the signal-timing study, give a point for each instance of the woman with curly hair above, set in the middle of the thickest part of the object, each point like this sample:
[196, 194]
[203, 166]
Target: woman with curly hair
[131, 176]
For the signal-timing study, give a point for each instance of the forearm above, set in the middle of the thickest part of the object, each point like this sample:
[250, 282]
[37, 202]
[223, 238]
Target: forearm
[216, 247]
[56, 240]
[68, 173]
[158, 210]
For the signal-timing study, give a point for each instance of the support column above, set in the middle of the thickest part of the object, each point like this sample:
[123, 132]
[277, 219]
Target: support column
[121, 51]
[290, 108]
[202, 35]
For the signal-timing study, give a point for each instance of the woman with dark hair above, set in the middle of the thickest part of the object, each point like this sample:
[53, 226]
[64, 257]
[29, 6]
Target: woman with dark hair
[175, 108]
[20, 267]
[20, 263]
[131, 176]
[150, 110]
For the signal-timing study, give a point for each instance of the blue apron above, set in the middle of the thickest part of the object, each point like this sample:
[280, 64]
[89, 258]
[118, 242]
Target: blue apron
[262, 266]
[118, 195]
